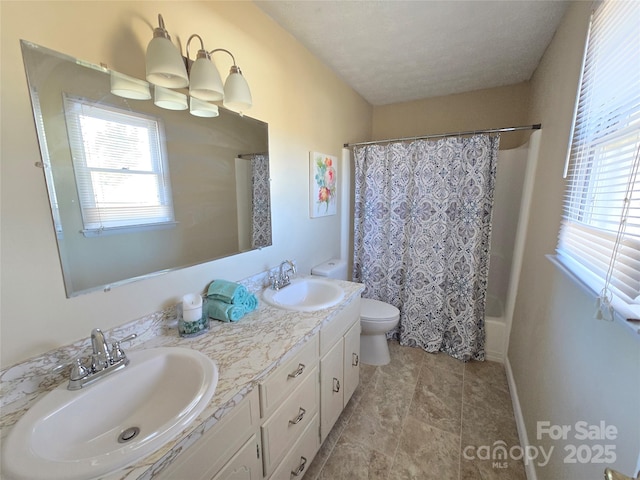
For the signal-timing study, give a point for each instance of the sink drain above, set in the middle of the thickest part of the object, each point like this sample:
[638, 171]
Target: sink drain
[129, 434]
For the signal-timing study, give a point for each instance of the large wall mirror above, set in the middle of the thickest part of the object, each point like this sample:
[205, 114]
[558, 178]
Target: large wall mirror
[137, 190]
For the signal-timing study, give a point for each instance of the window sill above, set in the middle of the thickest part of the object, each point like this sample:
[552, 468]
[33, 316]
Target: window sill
[102, 232]
[622, 310]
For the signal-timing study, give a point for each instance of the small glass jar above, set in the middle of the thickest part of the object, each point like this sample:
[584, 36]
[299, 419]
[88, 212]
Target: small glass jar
[195, 327]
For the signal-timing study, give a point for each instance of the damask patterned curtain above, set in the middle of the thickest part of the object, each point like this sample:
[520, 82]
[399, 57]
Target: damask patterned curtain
[261, 201]
[422, 232]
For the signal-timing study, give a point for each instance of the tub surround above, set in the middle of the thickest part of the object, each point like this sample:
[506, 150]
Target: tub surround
[245, 352]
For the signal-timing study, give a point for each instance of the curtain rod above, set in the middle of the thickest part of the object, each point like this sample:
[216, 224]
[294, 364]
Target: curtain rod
[536, 126]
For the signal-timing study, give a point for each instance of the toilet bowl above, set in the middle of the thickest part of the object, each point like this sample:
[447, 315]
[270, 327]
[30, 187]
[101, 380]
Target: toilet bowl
[376, 317]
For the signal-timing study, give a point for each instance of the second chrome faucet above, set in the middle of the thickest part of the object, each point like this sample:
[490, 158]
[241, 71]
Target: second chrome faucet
[283, 279]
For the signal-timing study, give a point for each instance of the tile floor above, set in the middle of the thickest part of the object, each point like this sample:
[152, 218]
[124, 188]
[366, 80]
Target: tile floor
[415, 418]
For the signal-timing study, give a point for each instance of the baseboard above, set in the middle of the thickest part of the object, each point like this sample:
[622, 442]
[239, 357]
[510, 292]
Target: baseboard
[529, 468]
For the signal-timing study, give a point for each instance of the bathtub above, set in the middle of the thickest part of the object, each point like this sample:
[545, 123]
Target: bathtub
[506, 211]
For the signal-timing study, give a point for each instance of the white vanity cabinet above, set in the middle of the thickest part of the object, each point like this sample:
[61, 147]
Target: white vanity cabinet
[276, 431]
[339, 364]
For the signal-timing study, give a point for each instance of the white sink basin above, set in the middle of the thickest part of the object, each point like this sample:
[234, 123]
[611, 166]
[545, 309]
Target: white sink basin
[75, 434]
[305, 295]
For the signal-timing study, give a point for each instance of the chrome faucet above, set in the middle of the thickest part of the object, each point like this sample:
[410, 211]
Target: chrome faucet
[282, 280]
[101, 363]
[100, 359]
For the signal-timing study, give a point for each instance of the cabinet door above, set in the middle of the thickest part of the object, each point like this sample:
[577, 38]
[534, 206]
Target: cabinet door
[245, 464]
[351, 361]
[331, 388]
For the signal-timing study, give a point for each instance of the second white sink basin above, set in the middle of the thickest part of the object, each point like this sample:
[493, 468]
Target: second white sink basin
[113, 423]
[305, 295]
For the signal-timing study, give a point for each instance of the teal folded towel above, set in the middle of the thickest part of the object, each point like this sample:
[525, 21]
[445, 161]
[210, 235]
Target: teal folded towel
[226, 291]
[225, 312]
[250, 304]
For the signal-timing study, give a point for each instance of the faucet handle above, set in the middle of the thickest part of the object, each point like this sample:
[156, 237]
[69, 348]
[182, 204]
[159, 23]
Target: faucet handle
[65, 364]
[128, 338]
[78, 370]
[117, 353]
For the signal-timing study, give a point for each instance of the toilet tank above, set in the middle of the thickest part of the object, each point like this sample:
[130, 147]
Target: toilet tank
[333, 268]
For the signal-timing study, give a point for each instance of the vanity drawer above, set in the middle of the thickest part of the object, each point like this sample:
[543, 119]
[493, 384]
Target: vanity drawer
[287, 423]
[297, 461]
[336, 328]
[288, 376]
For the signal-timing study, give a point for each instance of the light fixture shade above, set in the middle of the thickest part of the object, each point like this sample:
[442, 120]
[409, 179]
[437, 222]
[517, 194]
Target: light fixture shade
[205, 82]
[237, 95]
[129, 87]
[165, 66]
[199, 108]
[168, 99]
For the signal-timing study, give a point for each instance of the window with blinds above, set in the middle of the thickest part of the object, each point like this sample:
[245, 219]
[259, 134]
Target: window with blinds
[120, 168]
[599, 238]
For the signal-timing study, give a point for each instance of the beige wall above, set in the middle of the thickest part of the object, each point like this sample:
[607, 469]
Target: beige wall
[482, 109]
[567, 366]
[308, 108]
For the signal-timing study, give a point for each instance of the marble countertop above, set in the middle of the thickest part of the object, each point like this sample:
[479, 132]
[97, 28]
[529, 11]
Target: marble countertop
[245, 352]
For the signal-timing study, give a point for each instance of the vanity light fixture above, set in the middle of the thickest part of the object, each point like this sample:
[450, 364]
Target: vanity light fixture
[237, 95]
[165, 66]
[205, 83]
[201, 74]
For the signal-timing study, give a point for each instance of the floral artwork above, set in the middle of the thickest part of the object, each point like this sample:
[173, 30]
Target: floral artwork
[323, 173]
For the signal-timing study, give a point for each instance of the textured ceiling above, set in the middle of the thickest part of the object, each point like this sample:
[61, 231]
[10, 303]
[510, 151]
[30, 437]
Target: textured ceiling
[397, 51]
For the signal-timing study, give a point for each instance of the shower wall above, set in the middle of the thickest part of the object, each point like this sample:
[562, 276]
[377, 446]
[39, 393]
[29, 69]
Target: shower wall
[506, 209]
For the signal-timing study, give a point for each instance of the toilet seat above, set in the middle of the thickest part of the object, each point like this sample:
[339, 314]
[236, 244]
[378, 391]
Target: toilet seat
[376, 311]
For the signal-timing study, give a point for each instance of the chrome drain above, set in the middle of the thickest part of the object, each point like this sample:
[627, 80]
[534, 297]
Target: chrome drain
[129, 434]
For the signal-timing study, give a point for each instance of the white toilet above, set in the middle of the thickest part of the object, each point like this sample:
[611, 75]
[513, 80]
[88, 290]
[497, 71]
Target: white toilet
[376, 317]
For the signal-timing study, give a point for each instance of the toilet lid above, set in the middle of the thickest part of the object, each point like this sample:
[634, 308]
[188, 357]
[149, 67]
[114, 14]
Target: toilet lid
[373, 310]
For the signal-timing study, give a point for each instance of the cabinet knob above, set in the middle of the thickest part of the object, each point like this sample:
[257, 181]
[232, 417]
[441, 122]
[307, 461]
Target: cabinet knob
[355, 360]
[336, 385]
[300, 469]
[298, 371]
[299, 418]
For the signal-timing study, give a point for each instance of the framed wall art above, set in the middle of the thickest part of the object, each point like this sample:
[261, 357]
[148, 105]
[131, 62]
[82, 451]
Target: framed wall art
[323, 181]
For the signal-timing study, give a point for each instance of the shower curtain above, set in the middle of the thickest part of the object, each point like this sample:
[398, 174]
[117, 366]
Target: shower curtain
[422, 232]
[260, 201]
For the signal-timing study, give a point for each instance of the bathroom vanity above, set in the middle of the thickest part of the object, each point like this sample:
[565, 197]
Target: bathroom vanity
[277, 429]
[284, 378]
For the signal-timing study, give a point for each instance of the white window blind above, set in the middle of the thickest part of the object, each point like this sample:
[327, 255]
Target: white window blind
[119, 165]
[599, 238]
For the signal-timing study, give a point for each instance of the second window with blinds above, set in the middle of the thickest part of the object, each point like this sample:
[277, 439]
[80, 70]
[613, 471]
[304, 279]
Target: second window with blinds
[599, 240]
